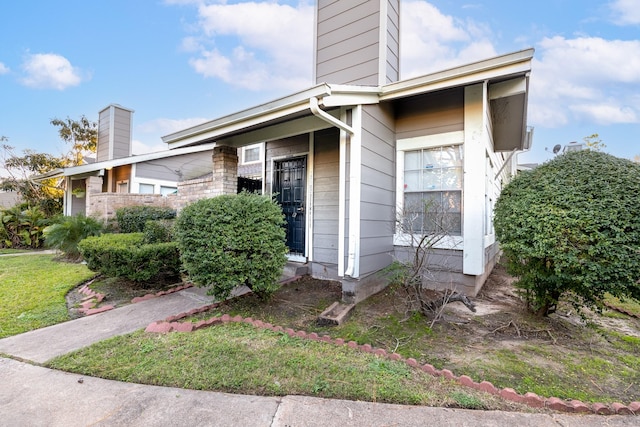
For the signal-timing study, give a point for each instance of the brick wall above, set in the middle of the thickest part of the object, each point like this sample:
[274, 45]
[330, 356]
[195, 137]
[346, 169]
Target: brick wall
[224, 180]
[104, 205]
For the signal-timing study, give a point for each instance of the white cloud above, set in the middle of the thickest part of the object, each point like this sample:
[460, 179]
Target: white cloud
[587, 79]
[167, 126]
[3, 69]
[432, 41]
[626, 12]
[138, 147]
[50, 71]
[606, 112]
[151, 132]
[254, 45]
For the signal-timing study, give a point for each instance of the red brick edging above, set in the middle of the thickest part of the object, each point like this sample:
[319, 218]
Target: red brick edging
[92, 299]
[171, 324]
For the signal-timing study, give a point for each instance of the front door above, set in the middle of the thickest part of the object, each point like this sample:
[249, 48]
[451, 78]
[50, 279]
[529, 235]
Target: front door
[289, 184]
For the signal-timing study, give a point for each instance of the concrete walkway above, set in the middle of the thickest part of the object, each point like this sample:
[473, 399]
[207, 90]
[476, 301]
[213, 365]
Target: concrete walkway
[44, 344]
[35, 396]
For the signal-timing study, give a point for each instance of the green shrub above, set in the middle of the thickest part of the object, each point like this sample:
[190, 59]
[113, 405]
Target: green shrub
[126, 255]
[133, 218]
[68, 231]
[22, 227]
[158, 231]
[571, 227]
[233, 240]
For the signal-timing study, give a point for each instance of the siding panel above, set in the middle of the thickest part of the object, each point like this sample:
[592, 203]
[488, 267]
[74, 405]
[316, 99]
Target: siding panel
[377, 195]
[348, 37]
[431, 114]
[325, 196]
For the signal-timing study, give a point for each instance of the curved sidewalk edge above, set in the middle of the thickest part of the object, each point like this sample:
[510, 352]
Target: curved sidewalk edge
[32, 395]
[44, 344]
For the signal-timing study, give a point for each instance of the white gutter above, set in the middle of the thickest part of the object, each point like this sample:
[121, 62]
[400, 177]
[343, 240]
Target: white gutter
[217, 128]
[321, 114]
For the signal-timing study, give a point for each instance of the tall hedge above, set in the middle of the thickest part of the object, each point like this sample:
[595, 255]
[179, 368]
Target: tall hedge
[233, 240]
[571, 227]
[127, 255]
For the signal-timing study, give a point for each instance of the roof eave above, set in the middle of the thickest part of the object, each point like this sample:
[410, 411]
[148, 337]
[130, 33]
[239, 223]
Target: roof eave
[218, 127]
[93, 167]
[497, 67]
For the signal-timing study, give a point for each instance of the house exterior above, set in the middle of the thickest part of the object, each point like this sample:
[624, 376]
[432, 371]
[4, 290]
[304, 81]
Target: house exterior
[9, 199]
[348, 157]
[116, 178]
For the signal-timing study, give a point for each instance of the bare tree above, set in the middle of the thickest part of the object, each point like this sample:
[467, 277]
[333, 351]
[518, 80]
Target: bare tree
[423, 224]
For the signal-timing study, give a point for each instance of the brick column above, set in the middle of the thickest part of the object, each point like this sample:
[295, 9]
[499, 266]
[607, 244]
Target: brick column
[93, 185]
[225, 170]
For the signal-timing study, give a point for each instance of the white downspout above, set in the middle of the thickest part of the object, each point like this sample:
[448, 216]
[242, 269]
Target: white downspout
[353, 265]
[355, 168]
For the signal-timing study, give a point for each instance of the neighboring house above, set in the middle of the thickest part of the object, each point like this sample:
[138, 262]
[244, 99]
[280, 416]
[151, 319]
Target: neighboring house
[9, 199]
[344, 157]
[117, 178]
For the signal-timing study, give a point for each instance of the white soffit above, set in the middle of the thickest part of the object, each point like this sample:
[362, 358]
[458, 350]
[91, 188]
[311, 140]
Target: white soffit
[500, 66]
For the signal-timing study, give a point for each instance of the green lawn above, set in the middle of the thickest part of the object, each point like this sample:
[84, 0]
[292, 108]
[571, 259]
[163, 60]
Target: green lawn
[33, 289]
[239, 358]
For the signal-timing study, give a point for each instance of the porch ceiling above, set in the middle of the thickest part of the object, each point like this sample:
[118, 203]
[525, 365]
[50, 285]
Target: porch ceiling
[508, 107]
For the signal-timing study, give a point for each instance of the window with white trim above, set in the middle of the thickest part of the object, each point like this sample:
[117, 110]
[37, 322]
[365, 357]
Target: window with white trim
[433, 190]
[251, 154]
[146, 188]
[122, 186]
[166, 190]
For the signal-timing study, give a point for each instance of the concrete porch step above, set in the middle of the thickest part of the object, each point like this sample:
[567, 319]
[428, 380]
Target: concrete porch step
[292, 269]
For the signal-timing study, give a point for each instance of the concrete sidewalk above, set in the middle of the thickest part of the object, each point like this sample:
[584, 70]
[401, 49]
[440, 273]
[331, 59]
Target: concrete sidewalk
[41, 345]
[35, 396]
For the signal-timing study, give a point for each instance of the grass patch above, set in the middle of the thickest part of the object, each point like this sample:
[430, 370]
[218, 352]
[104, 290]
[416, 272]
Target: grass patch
[33, 289]
[6, 251]
[628, 305]
[239, 358]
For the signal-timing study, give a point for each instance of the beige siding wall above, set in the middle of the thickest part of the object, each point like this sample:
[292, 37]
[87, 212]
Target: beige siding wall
[325, 196]
[114, 133]
[104, 123]
[430, 114]
[348, 40]
[392, 59]
[377, 203]
[121, 133]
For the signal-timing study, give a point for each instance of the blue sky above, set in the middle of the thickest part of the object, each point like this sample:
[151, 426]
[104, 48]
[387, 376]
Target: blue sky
[181, 62]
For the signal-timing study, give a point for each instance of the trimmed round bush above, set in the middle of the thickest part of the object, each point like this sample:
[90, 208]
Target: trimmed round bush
[571, 227]
[233, 240]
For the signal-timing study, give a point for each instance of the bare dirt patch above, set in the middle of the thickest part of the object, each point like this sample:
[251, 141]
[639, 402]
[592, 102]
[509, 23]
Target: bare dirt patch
[564, 355]
[597, 359]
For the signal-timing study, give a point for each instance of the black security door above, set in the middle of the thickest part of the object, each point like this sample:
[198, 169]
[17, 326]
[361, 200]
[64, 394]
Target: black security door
[289, 186]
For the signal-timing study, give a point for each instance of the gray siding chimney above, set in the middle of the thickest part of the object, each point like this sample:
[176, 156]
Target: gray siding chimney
[114, 133]
[357, 42]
